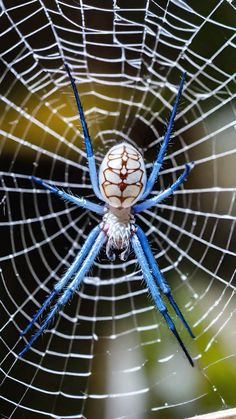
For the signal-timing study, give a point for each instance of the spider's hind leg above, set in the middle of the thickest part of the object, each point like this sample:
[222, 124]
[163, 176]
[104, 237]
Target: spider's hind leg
[161, 154]
[87, 140]
[161, 282]
[153, 288]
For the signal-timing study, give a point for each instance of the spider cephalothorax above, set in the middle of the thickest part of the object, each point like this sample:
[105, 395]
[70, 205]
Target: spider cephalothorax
[122, 183]
[118, 225]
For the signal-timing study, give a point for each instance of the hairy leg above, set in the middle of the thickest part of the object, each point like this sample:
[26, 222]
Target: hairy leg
[152, 286]
[161, 282]
[87, 140]
[80, 202]
[162, 195]
[70, 289]
[159, 160]
[68, 275]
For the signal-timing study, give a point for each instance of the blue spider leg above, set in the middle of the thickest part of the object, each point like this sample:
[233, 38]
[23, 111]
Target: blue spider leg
[159, 160]
[69, 273]
[159, 277]
[70, 289]
[87, 140]
[152, 286]
[81, 202]
[162, 195]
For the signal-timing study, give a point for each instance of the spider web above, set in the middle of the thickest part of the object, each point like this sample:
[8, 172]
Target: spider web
[108, 353]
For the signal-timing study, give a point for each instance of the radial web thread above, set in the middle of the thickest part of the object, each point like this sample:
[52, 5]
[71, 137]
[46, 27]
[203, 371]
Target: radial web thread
[109, 350]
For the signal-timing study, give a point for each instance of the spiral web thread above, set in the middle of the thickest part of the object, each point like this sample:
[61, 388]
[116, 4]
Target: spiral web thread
[109, 351]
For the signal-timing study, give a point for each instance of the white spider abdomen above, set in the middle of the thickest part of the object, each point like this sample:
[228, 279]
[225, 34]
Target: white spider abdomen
[122, 176]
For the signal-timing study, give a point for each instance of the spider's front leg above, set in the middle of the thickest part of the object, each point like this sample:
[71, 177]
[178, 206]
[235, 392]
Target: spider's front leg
[84, 261]
[161, 282]
[66, 277]
[152, 286]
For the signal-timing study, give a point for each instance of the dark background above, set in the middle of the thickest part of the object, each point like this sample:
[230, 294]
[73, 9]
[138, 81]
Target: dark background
[109, 351]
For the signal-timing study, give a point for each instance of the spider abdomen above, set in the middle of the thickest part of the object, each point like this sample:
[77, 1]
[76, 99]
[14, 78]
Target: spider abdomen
[122, 176]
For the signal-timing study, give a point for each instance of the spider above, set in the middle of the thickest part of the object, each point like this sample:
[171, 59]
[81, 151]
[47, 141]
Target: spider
[122, 182]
